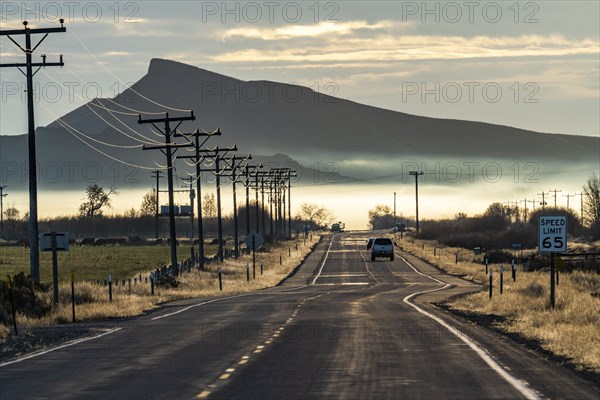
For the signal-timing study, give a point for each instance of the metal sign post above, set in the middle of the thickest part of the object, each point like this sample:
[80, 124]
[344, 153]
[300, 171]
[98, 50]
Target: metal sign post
[552, 238]
[54, 242]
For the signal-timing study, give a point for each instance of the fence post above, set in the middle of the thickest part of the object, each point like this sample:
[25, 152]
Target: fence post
[73, 294]
[152, 283]
[247, 272]
[129, 281]
[491, 282]
[514, 271]
[486, 266]
[220, 279]
[110, 287]
[501, 278]
[261, 269]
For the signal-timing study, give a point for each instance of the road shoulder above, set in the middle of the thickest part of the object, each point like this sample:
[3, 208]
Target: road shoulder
[551, 375]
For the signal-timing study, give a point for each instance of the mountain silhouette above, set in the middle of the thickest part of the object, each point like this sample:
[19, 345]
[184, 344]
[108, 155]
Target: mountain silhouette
[263, 117]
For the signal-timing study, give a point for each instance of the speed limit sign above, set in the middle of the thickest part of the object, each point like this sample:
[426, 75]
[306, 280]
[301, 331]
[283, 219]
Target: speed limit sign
[552, 234]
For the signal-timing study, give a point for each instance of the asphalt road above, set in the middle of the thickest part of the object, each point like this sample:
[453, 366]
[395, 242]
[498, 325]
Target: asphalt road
[342, 327]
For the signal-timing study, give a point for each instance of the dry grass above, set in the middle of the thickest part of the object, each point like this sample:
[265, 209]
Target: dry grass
[571, 330]
[92, 300]
[470, 266]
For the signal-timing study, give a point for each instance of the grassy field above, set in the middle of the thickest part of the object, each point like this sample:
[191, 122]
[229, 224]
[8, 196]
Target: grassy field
[570, 330]
[92, 299]
[93, 263]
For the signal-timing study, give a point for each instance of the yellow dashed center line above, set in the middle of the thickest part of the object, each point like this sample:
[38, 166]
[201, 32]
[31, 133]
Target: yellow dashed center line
[204, 394]
[224, 376]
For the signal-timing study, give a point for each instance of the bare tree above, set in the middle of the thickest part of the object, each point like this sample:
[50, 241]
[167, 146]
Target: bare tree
[209, 205]
[316, 215]
[381, 217]
[96, 199]
[148, 207]
[12, 217]
[591, 206]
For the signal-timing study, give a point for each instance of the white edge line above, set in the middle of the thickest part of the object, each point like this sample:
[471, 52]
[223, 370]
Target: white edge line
[200, 304]
[323, 263]
[222, 299]
[521, 386]
[72, 343]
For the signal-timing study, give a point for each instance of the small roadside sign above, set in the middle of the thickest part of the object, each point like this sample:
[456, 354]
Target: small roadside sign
[552, 234]
[256, 243]
[62, 241]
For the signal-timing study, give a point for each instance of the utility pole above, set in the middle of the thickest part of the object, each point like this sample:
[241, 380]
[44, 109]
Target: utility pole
[198, 159]
[532, 204]
[568, 196]
[416, 174]
[34, 254]
[234, 178]
[543, 203]
[248, 182]
[290, 175]
[2, 196]
[217, 154]
[156, 174]
[555, 191]
[169, 148]
[256, 188]
[395, 212]
[190, 182]
[262, 203]
[271, 216]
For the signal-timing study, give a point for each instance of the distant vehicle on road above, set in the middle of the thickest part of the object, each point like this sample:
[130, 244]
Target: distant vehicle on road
[370, 243]
[337, 227]
[382, 247]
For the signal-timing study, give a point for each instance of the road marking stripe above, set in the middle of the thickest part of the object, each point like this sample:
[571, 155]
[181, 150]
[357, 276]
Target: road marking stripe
[224, 376]
[204, 394]
[200, 304]
[520, 385]
[73, 343]
[342, 284]
[323, 263]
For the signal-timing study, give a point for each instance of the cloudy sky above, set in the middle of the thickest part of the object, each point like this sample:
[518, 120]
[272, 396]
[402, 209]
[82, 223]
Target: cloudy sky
[533, 65]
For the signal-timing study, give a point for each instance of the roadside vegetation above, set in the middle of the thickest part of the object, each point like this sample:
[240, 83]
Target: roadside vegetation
[570, 330]
[35, 307]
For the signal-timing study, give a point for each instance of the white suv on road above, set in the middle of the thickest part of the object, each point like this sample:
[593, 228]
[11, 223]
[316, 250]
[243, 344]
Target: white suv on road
[382, 247]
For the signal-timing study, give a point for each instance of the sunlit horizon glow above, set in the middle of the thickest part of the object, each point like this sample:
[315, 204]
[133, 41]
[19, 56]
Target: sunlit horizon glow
[367, 50]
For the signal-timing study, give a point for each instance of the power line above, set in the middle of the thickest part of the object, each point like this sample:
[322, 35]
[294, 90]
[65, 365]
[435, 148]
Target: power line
[106, 154]
[133, 90]
[555, 191]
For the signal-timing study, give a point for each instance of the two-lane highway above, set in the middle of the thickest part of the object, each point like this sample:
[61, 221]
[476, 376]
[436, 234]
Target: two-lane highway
[343, 327]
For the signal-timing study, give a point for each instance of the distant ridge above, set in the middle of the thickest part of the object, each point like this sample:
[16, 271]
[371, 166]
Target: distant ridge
[264, 117]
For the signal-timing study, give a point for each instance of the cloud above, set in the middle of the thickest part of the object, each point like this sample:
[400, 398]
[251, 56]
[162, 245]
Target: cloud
[415, 47]
[298, 31]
